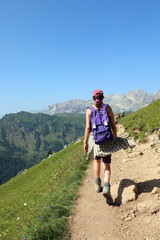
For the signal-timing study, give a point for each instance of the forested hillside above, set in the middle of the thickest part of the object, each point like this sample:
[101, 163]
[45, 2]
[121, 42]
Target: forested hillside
[26, 138]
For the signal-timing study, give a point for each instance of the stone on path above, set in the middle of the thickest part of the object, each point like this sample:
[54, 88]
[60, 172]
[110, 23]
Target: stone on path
[127, 191]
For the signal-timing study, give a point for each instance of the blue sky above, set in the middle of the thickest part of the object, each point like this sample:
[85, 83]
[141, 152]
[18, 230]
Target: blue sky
[56, 50]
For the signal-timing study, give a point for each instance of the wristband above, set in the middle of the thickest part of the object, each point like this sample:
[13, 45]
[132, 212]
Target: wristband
[85, 142]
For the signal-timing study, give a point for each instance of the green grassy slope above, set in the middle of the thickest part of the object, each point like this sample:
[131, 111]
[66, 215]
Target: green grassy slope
[143, 122]
[37, 203]
[26, 138]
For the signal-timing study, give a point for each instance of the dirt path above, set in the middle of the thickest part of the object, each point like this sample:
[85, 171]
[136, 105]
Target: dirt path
[133, 219]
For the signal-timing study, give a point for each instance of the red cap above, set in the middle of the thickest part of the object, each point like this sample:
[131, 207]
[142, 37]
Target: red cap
[97, 91]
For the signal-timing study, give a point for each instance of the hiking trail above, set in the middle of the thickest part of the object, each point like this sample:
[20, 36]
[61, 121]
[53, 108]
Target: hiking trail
[135, 185]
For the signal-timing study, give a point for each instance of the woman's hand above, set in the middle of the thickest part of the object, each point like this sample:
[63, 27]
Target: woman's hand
[86, 146]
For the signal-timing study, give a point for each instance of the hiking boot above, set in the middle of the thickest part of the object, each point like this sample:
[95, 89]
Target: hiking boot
[97, 185]
[107, 194]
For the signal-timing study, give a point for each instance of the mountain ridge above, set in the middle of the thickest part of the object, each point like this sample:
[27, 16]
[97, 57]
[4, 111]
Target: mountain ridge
[120, 102]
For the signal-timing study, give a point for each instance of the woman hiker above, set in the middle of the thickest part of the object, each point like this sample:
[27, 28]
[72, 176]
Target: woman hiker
[98, 149]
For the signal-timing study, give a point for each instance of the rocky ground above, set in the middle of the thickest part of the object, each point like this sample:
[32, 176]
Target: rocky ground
[135, 187]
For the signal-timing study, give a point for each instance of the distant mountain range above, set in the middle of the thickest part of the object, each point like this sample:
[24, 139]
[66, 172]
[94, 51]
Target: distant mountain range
[131, 102]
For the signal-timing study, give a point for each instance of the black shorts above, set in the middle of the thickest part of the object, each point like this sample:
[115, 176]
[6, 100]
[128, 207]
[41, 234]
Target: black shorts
[106, 159]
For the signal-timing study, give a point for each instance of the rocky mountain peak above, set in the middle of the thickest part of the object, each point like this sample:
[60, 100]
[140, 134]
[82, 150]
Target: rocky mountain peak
[140, 96]
[157, 95]
[120, 102]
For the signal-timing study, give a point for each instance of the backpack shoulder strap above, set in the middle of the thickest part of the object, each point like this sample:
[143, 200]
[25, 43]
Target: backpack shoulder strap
[104, 106]
[107, 108]
[92, 109]
[105, 114]
[93, 113]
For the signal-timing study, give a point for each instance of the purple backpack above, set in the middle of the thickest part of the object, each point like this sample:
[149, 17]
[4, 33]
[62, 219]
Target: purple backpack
[100, 125]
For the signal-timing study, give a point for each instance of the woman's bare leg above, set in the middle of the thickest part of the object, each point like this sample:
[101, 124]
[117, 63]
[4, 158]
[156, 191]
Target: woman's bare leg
[97, 165]
[107, 172]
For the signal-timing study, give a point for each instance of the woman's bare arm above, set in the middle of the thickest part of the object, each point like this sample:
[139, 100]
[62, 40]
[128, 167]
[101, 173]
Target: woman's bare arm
[87, 129]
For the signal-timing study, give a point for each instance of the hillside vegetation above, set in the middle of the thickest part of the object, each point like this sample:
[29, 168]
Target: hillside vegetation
[143, 122]
[26, 138]
[37, 203]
